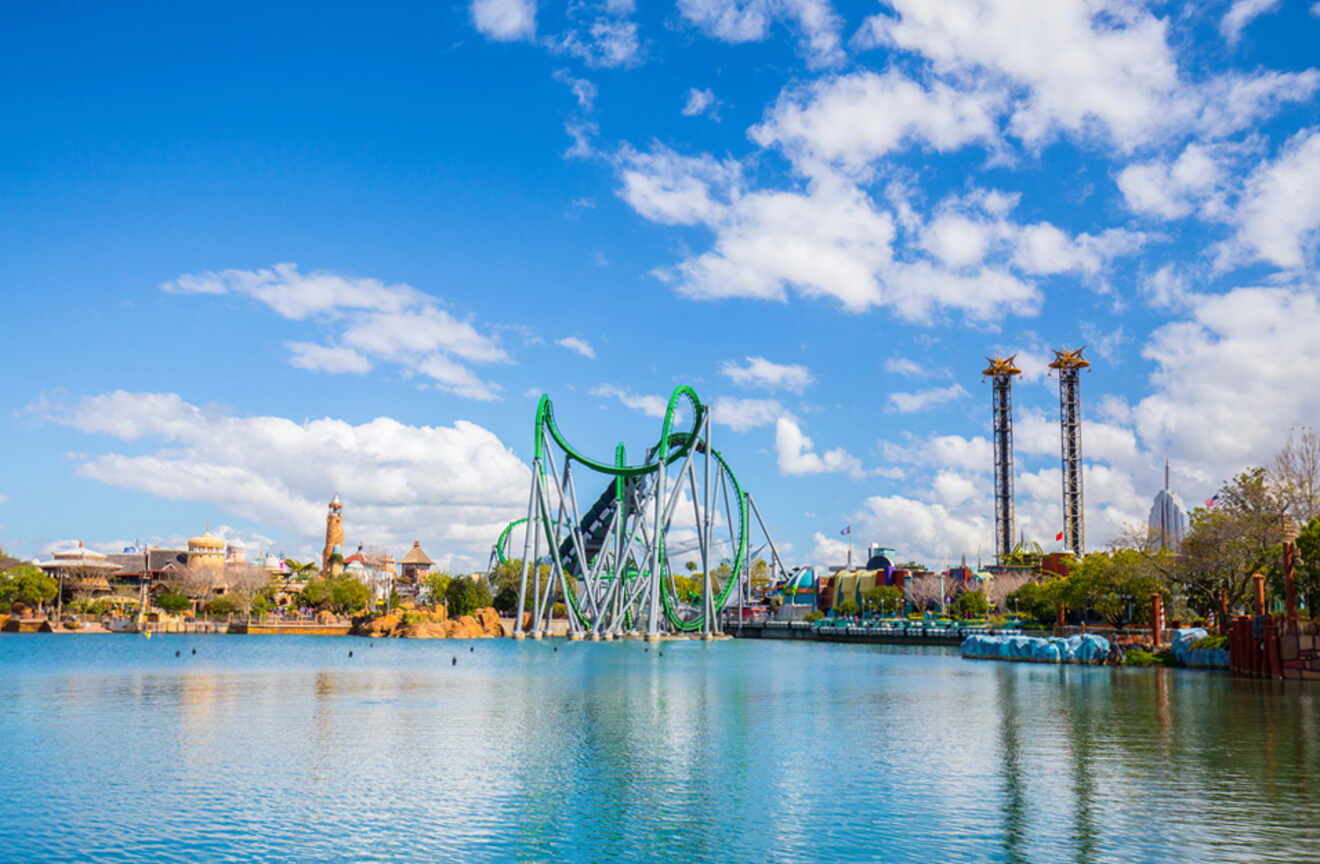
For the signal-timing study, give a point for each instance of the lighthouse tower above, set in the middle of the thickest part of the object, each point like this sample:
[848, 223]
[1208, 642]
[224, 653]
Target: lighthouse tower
[334, 532]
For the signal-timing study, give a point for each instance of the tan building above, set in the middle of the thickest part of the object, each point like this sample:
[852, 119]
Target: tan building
[206, 550]
[414, 567]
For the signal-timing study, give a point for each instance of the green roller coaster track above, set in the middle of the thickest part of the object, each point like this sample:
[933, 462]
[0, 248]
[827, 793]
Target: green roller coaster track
[671, 447]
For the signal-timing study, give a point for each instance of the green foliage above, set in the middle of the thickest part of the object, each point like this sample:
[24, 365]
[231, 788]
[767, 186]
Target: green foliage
[1240, 536]
[222, 605]
[1118, 585]
[1039, 602]
[27, 584]
[884, 598]
[348, 595]
[1212, 642]
[1149, 658]
[437, 584]
[301, 570]
[848, 608]
[558, 610]
[691, 566]
[1307, 565]
[315, 593]
[173, 602]
[261, 606]
[466, 596]
[971, 604]
[813, 615]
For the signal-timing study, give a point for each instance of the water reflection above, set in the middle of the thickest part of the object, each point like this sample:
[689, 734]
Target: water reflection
[287, 749]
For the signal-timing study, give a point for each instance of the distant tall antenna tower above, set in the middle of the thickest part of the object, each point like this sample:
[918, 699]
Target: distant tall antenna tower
[1001, 371]
[1070, 364]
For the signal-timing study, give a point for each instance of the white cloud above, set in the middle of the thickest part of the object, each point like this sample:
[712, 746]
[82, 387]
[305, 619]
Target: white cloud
[699, 101]
[1278, 213]
[952, 488]
[852, 120]
[309, 355]
[604, 41]
[908, 403]
[743, 414]
[578, 346]
[906, 367]
[457, 485]
[1241, 14]
[1175, 189]
[505, 20]
[957, 240]
[828, 241]
[650, 405]
[583, 90]
[935, 534]
[4, 499]
[391, 323]
[950, 451]
[1232, 378]
[1077, 68]
[763, 373]
[797, 456]
[749, 21]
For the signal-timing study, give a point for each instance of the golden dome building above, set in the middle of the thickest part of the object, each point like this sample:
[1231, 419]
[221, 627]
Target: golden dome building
[206, 550]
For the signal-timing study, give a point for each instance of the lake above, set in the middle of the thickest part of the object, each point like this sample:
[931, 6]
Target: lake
[288, 749]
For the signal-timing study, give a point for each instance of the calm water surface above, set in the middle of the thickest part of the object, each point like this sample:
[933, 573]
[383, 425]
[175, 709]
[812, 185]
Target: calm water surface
[287, 749]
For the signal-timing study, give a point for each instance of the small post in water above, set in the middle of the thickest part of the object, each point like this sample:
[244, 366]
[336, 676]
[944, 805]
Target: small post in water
[1259, 580]
[1156, 618]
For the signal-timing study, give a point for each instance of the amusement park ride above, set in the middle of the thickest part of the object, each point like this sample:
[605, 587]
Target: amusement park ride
[611, 564]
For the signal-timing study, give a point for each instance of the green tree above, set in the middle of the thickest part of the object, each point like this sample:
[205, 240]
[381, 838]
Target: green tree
[1307, 566]
[1117, 585]
[1242, 535]
[27, 584]
[466, 596]
[848, 608]
[691, 566]
[348, 595]
[883, 598]
[437, 584]
[173, 602]
[971, 604]
[1039, 601]
[316, 593]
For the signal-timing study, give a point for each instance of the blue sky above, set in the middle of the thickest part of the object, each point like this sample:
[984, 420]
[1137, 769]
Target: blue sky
[256, 258]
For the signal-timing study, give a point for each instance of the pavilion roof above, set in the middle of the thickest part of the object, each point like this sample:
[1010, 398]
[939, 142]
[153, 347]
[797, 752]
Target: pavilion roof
[416, 555]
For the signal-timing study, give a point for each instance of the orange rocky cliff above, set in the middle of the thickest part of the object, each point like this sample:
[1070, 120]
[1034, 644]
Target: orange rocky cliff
[432, 624]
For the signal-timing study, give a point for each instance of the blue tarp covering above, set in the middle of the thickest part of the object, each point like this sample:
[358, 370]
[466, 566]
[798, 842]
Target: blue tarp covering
[1187, 655]
[1074, 649]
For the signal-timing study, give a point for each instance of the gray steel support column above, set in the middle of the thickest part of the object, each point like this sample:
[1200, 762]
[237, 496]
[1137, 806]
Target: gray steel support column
[527, 550]
[653, 605]
[1070, 441]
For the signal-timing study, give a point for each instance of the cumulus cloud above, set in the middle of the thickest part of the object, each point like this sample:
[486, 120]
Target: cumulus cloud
[457, 485]
[323, 358]
[1173, 190]
[578, 346]
[922, 400]
[1278, 214]
[505, 20]
[699, 102]
[376, 321]
[648, 404]
[1241, 14]
[797, 455]
[852, 120]
[743, 414]
[767, 375]
[1075, 70]
[749, 21]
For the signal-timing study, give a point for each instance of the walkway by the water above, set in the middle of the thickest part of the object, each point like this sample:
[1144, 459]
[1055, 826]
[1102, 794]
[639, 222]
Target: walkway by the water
[287, 748]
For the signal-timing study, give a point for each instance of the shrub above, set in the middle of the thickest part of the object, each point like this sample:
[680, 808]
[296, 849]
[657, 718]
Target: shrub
[971, 604]
[260, 606]
[1149, 658]
[173, 602]
[466, 596]
[558, 610]
[223, 605]
[1211, 642]
[847, 608]
[813, 615]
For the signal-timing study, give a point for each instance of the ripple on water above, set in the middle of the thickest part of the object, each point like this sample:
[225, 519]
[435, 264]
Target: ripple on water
[284, 749]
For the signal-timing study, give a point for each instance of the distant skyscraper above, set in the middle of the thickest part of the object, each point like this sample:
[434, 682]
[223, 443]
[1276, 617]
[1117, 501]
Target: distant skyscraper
[1168, 520]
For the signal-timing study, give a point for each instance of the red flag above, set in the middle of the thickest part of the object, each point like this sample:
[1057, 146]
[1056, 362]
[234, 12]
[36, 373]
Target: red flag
[1058, 536]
